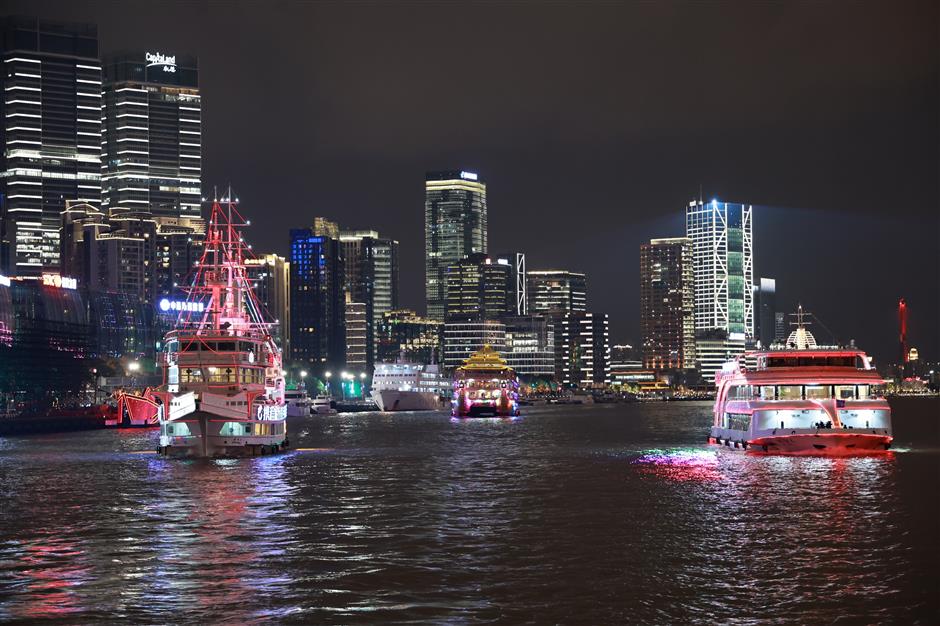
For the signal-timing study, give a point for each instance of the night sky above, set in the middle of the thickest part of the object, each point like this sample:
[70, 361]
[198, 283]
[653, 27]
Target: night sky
[593, 127]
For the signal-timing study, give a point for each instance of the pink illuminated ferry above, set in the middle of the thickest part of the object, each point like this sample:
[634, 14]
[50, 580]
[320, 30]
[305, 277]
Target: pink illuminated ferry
[223, 390]
[805, 400]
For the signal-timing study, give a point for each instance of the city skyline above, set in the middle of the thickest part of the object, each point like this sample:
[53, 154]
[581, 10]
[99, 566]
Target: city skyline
[638, 177]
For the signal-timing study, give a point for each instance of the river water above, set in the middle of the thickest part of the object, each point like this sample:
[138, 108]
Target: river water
[596, 514]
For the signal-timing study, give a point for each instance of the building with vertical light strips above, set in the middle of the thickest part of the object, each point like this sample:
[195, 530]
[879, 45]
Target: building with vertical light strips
[667, 303]
[582, 348]
[723, 258]
[152, 135]
[51, 136]
[454, 227]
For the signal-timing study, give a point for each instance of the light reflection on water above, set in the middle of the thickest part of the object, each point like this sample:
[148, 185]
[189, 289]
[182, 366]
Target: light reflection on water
[593, 514]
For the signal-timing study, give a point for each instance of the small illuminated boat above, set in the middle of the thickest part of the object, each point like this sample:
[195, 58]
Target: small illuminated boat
[485, 385]
[806, 400]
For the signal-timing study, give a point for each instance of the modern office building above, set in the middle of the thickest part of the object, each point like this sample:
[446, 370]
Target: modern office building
[179, 247]
[582, 349]
[556, 291]
[371, 269]
[463, 337]
[151, 134]
[667, 303]
[317, 301]
[765, 305]
[270, 275]
[477, 286]
[402, 334]
[518, 295]
[454, 227]
[721, 234]
[356, 335]
[530, 346]
[51, 136]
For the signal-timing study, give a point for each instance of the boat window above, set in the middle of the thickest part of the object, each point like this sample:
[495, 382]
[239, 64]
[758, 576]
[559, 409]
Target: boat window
[767, 392]
[789, 392]
[226, 346]
[191, 376]
[841, 361]
[738, 421]
[874, 391]
[817, 392]
[845, 392]
[739, 392]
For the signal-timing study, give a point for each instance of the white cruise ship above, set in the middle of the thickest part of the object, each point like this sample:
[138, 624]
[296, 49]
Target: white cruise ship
[409, 387]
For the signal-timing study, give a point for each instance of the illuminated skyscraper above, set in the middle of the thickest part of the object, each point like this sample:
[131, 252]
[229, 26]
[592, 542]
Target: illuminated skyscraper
[317, 301]
[765, 306]
[666, 304]
[454, 227]
[479, 287]
[724, 266]
[270, 276]
[371, 275]
[152, 135]
[723, 257]
[556, 291]
[51, 136]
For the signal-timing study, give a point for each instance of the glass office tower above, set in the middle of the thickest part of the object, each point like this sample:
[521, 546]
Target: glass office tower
[454, 227]
[371, 275]
[51, 136]
[152, 135]
[667, 303]
[556, 291]
[317, 301]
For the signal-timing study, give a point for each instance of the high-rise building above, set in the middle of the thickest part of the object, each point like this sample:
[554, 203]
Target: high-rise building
[666, 304]
[371, 268]
[765, 305]
[530, 345]
[403, 334]
[721, 234]
[463, 337]
[270, 276]
[317, 301]
[454, 227]
[151, 144]
[582, 348]
[479, 287]
[51, 136]
[356, 337]
[556, 291]
[179, 247]
[723, 257]
[519, 291]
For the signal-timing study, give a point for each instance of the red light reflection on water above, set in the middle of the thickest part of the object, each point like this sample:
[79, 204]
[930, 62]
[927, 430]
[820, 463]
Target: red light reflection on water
[51, 571]
[680, 465]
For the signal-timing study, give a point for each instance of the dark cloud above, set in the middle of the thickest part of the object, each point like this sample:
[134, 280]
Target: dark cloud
[593, 124]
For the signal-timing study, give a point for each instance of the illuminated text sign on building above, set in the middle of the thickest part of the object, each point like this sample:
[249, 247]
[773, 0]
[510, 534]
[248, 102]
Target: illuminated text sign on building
[158, 58]
[181, 305]
[468, 176]
[62, 282]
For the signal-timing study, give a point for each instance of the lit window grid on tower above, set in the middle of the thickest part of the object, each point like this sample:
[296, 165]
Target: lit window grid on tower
[722, 241]
[41, 168]
[455, 226]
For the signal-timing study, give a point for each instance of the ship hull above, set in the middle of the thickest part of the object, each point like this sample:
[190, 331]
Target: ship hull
[406, 400]
[807, 443]
[206, 435]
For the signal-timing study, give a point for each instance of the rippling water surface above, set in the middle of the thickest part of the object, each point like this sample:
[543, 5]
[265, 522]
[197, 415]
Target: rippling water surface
[603, 514]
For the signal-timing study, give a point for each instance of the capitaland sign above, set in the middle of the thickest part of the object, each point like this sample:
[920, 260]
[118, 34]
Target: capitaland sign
[60, 282]
[158, 59]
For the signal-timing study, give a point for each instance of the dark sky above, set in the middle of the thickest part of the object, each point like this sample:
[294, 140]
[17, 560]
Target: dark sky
[593, 126]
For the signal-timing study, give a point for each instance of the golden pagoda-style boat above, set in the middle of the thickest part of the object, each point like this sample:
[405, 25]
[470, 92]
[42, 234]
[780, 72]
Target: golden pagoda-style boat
[485, 385]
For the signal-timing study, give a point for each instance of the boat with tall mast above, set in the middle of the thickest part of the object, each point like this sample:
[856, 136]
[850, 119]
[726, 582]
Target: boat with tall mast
[223, 388]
